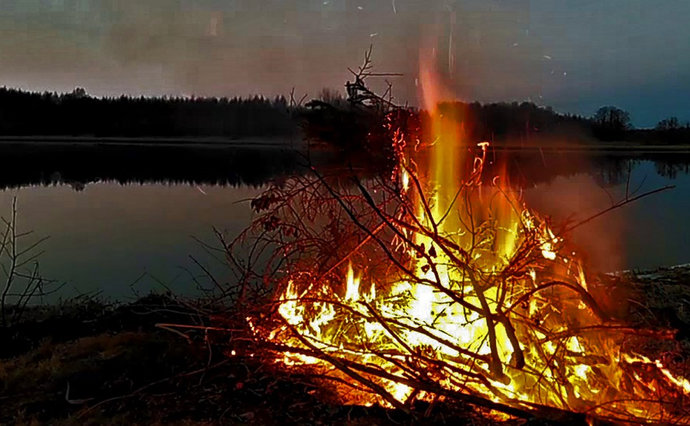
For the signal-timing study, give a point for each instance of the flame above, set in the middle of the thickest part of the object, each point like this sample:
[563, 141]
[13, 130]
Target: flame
[469, 321]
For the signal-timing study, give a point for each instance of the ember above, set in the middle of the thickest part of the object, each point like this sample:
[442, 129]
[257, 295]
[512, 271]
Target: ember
[432, 285]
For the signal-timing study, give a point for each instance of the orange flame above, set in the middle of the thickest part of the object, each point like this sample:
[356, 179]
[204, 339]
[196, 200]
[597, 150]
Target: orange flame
[482, 328]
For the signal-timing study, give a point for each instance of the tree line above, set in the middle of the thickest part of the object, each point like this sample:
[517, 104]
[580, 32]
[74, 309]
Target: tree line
[612, 123]
[78, 114]
[515, 121]
[511, 122]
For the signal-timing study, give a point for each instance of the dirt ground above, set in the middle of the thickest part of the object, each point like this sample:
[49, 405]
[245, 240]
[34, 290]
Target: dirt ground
[89, 363]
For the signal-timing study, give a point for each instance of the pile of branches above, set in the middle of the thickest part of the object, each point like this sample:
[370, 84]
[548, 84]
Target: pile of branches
[547, 348]
[386, 293]
[361, 125]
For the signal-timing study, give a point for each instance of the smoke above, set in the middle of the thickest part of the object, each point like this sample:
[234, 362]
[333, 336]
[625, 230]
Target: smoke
[575, 198]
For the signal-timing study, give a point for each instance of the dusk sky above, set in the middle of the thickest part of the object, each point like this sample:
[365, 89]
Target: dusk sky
[575, 55]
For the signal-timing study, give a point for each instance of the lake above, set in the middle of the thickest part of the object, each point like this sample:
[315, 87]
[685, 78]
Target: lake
[125, 230]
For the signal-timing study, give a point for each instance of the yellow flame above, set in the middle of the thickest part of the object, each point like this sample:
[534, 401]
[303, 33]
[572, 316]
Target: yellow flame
[405, 180]
[378, 327]
[352, 285]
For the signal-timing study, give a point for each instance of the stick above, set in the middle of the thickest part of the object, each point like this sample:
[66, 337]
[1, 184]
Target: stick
[618, 205]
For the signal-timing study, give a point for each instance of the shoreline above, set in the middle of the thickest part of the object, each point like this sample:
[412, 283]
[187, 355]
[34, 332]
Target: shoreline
[117, 367]
[298, 141]
[102, 363]
[78, 141]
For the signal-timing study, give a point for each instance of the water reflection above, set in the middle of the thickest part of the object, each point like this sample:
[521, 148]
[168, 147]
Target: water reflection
[650, 232]
[532, 167]
[81, 164]
[122, 240]
[130, 227]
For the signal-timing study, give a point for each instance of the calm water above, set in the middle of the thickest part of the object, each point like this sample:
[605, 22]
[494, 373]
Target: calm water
[650, 232]
[119, 240]
[122, 240]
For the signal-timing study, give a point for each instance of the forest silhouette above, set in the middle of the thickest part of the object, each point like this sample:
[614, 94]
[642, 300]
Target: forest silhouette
[77, 114]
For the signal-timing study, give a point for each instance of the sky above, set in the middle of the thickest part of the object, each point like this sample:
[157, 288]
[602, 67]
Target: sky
[573, 55]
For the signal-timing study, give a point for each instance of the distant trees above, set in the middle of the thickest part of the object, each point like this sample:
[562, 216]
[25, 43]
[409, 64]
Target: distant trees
[515, 121]
[669, 130]
[610, 122]
[77, 114]
[667, 124]
[612, 117]
[332, 97]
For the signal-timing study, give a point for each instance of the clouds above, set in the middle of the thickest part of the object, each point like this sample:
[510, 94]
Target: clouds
[490, 49]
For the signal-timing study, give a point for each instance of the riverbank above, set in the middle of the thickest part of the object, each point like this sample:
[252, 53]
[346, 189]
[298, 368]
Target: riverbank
[198, 142]
[82, 161]
[89, 363]
[297, 141]
[79, 161]
[86, 362]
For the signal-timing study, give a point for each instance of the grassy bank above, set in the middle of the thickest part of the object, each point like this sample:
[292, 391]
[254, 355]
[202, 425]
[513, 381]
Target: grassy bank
[86, 362]
[89, 363]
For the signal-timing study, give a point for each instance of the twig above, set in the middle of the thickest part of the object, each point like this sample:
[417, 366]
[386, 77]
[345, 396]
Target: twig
[618, 205]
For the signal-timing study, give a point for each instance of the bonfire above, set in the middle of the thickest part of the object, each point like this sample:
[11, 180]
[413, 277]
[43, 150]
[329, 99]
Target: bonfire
[437, 283]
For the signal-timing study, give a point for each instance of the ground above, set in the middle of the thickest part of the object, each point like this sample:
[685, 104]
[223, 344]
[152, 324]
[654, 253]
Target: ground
[90, 363]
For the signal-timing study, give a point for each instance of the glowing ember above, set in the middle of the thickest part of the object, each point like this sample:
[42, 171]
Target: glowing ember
[479, 298]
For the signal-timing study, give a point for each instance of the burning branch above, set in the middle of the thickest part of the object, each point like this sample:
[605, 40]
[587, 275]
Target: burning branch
[619, 204]
[453, 289]
[494, 310]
